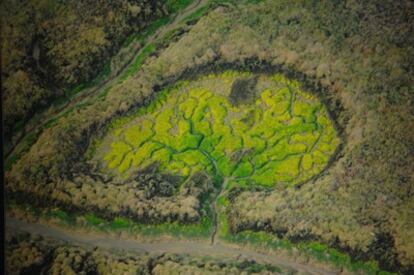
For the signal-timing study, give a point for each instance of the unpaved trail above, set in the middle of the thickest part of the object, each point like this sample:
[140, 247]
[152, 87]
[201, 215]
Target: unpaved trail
[53, 112]
[194, 248]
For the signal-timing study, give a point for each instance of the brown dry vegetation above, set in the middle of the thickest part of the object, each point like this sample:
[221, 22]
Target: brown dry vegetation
[50, 46]
[28, 254]
[358, 56]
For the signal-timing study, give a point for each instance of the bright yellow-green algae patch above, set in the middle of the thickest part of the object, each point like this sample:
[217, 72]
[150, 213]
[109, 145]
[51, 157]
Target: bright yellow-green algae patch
[285, 136]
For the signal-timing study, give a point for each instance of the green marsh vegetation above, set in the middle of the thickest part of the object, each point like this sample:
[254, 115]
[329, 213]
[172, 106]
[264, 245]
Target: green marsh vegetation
[243, 130]
[284, 136]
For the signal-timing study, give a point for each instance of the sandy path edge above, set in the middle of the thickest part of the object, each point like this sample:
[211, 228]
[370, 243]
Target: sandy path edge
[193, 247]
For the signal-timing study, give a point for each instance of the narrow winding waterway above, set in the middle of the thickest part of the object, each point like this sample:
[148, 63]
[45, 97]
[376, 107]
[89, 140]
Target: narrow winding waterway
[216, 218]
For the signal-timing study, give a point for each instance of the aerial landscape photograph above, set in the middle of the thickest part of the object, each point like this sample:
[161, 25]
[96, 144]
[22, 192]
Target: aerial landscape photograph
[207, 137]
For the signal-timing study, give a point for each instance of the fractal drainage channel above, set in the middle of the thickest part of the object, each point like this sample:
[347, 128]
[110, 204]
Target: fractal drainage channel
[233, 129]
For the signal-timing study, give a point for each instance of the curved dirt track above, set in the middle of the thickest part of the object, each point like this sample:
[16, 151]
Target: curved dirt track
[194, 248]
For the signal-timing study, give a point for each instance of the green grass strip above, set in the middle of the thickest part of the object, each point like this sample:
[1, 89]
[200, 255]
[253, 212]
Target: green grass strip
[174, 6]
[195, 16]
[321, 252]
[134, 68]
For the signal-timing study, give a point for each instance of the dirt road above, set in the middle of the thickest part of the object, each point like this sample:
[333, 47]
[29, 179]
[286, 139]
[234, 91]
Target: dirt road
[193, 248]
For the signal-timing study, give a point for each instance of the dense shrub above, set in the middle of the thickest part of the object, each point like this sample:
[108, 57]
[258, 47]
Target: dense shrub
[49, 46]
[26, 254]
